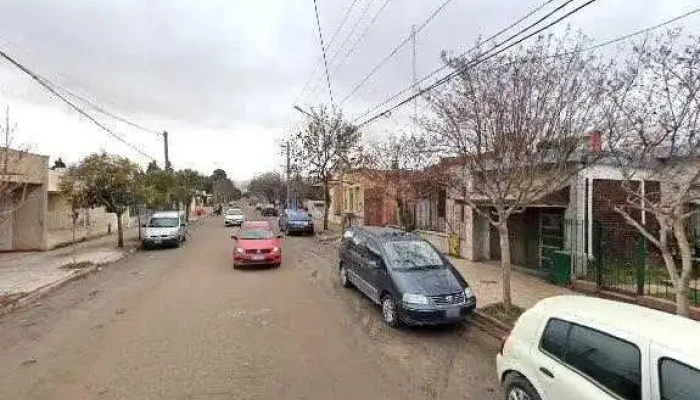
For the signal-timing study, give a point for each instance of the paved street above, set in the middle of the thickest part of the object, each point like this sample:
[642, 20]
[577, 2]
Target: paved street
[182, 324]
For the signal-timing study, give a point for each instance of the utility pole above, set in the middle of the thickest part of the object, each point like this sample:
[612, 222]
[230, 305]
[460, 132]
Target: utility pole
[289, 173]
[165, 150]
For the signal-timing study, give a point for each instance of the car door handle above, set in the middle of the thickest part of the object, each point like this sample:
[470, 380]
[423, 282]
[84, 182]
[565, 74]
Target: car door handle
[546, 372]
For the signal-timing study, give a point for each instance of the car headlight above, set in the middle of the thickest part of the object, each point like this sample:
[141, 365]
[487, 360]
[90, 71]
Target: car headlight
[468, 294]
[240, 250]
[276, 250]
[412, 298]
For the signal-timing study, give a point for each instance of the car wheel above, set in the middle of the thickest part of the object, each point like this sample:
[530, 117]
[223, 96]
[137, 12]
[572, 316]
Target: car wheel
[344, 280]
[518, 388]
[389, 311]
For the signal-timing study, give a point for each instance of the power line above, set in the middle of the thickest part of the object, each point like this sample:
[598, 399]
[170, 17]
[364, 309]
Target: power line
[100, 109]
[323, 51]
[490, 38]
[48, 86]
[586, 49]
[359, 39]
[361, 18]
[396, 50]
[330, 43]
[450, 76]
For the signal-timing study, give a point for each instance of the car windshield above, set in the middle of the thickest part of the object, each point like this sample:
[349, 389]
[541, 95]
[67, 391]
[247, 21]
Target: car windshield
[234, 211]
[298, 214]
[412, 254]
[257, 234]
[163, 222]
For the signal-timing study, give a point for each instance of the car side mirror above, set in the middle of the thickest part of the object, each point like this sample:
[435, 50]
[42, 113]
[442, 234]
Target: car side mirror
[279, 236]
[143, 225]
[184, 224]
[234, 237]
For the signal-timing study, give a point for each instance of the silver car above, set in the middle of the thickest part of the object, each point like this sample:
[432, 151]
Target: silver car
[234, 216]
[164, 228]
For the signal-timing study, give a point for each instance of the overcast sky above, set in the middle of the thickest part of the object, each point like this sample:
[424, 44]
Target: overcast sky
[221, 76]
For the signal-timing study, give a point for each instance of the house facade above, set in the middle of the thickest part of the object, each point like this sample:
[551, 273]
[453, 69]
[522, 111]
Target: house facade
[369, 195]
[23, 200]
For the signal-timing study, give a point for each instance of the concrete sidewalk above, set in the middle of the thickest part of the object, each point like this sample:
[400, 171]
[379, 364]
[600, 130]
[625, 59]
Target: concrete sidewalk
[486, 280]
[24, 273]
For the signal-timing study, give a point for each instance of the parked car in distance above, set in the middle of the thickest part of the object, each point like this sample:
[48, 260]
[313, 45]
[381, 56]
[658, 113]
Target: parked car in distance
[259, 206]
[164, 228]
[585, 348]
[257, 244]
[234, 217]
[296, 221]
[406, 275]
[269, 210]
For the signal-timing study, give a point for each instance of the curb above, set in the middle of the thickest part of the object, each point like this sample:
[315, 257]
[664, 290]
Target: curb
[50, 287]
[490, 325]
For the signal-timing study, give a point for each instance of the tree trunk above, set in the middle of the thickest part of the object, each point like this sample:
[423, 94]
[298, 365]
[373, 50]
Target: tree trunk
[120, 231]
[682, 303]
[505, 263]
[75, 222]
[187, 210]
[326, 200]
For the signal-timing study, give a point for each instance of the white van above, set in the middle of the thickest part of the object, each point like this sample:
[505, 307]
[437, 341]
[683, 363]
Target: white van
[585, 348]
[164, 228]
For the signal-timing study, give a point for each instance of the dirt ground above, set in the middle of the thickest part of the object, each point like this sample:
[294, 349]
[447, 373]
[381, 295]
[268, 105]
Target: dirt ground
[182, 324]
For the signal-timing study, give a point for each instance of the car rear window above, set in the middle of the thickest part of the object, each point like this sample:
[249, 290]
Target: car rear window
[612, 362]
[678, 381]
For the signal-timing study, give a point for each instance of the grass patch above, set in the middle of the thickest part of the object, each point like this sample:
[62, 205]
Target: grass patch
[77, 265]
[498, 312]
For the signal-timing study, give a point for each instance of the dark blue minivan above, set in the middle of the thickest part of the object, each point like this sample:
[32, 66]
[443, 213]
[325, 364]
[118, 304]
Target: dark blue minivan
[296, 221]
[413, 282]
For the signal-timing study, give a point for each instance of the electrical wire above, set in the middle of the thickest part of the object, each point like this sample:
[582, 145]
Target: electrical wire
[357, 23]
[489, 39]
[586, 49]
[396, 50]
[359, 39]
[50, 87]
[486, 56]
[323, 50]
[452, 75]
[330, 43]
[100, 109]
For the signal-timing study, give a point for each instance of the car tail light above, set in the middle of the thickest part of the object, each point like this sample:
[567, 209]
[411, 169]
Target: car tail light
[503, 343]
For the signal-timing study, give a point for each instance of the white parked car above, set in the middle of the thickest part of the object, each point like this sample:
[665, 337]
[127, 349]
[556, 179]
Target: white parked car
[585, 348]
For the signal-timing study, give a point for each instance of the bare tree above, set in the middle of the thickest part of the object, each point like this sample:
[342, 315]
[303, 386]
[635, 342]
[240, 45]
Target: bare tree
[652, 109]
[515, 123]
[325, 145]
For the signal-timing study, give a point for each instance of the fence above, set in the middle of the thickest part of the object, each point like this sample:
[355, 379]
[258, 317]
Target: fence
[621, 259]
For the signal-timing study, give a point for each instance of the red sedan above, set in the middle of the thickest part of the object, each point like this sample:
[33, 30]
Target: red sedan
[257, 244]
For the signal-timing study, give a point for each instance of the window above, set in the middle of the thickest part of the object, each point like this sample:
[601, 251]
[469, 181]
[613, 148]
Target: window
[554, 337]
[678, 381]
[612, 362]
[164, 222]
[412, 254]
